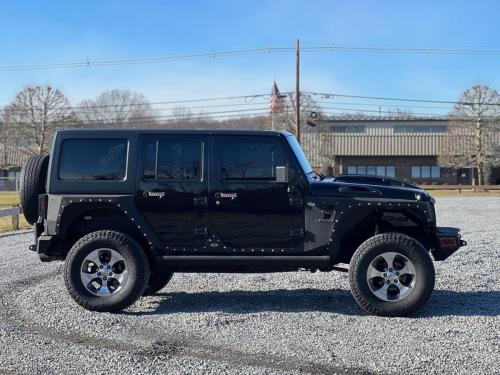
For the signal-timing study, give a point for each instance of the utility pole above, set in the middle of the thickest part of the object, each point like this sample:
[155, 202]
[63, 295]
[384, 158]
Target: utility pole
[297, 91]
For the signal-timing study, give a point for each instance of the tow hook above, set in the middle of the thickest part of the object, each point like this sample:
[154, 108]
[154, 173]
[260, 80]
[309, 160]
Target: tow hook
[32, 247]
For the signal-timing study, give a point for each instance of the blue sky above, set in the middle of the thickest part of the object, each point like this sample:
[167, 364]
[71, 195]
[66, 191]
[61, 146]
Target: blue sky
[59, 31]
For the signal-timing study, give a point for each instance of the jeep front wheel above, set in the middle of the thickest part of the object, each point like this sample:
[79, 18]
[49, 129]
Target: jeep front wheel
[391, 274]
[106, 271]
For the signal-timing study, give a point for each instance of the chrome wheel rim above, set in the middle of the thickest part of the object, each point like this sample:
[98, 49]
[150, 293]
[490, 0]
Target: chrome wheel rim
[391, 276]
[104, 272]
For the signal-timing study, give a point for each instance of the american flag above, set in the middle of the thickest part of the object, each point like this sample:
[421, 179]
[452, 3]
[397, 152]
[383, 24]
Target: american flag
[276, 103]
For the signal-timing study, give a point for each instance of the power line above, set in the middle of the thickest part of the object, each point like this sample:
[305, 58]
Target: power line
[354, 111]
[145, 60]
[85, 63]
[407, 50]
[95, 110]
[375, 111]
[365, 104]
[324, 94]
[247, 98]
[220, 114]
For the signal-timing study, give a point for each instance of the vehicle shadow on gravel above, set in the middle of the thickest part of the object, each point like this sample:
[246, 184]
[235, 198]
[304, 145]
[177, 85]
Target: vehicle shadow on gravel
[443, 302]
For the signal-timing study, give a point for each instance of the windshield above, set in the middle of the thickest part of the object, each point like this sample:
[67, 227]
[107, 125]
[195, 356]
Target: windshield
[297, 150]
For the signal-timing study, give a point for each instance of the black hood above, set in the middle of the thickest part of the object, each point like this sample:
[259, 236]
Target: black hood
[375, 180]
[369, 186]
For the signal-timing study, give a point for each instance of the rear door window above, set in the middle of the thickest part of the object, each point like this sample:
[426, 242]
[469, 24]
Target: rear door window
[173, 160]
[93, 159]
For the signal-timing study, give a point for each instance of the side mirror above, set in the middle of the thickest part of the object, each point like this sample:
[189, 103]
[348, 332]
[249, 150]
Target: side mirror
[282, 174]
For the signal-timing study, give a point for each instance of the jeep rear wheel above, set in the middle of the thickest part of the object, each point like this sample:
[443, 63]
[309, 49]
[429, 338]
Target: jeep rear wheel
[391, 274]
[106, 271]
[32, 183]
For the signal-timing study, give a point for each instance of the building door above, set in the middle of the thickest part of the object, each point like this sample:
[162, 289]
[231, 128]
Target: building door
[173, 188]
[249, 209]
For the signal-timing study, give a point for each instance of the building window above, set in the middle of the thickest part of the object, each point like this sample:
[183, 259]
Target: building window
[348, 129]
[398, 129]
[372, 170]
[425, 171]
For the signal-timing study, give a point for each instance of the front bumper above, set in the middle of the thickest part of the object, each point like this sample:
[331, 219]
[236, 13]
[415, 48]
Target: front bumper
[449, 241]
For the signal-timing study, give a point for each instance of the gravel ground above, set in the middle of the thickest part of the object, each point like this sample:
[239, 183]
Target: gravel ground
[259, 324]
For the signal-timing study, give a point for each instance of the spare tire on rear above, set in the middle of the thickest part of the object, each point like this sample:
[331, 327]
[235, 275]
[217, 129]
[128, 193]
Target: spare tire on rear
[32, 183]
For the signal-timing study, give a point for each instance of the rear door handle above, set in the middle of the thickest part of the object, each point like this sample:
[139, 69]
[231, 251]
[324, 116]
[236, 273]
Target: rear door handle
[220, 195]
[154, 194]
[229, 196]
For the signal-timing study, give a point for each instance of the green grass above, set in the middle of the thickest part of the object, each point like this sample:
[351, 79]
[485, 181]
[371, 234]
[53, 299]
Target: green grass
[9, 199]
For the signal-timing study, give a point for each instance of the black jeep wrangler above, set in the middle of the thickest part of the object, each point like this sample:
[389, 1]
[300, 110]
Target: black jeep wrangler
[126, 209]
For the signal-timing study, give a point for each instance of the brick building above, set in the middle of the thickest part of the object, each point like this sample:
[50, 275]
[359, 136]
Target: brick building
[401, 148]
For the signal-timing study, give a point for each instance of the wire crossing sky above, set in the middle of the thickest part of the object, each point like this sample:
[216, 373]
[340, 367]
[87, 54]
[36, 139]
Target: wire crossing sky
[180, 50]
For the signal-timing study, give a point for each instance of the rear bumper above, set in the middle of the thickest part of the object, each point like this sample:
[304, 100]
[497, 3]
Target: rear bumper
[449, 241]
[43, 243]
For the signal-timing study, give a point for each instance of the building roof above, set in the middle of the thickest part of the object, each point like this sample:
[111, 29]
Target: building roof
[384, 119]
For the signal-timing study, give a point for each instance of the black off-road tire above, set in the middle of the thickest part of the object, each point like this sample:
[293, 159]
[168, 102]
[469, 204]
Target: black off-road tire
[32, 183]
[157, 281]
[408, 247]
[137, 265]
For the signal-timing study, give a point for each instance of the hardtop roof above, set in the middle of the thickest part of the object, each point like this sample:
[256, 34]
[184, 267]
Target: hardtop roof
[129, 131]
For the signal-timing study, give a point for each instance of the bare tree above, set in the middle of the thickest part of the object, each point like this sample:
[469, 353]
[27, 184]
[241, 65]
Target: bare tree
[181, 114]
[473, 134]
[31, 119]
[117, 108]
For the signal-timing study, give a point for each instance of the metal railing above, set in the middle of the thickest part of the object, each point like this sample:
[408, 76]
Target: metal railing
[461, 188]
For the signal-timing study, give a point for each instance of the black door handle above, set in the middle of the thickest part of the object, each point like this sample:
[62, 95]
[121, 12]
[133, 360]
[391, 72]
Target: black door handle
[200, 201]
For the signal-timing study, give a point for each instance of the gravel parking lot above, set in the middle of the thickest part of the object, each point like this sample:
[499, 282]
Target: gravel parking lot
[259, 324]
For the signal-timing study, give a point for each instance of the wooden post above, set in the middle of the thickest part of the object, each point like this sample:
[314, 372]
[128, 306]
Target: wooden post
[15, 221]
